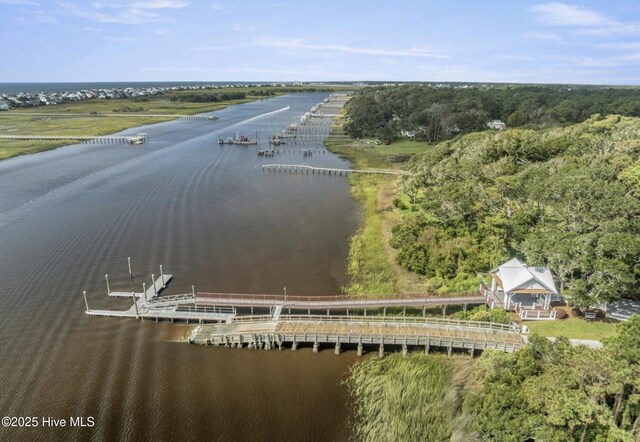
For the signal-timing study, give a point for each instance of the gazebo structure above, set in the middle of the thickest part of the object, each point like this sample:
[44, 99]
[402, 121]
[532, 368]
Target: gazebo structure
[526, 290]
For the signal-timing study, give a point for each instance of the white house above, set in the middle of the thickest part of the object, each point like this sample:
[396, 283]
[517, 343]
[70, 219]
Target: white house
[496, 124]
[527, 290]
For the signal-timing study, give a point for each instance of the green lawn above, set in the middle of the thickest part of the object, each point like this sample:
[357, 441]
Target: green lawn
[573, 328]
[402, 147]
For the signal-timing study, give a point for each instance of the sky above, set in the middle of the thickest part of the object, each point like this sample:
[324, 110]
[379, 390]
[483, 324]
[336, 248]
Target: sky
[588, 42]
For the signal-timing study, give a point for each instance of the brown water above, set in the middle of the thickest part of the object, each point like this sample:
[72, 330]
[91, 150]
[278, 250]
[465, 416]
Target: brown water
[71, 215]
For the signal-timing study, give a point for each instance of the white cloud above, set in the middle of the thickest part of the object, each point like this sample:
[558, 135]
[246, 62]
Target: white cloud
[121, 39]
[18, 2]
[561, 14]
[543, 36]
[296, 44]
[516, 57]
[620, 46]
[242, 28]
[124, 13]
[586, 20]
[302, 45]
[160, 4]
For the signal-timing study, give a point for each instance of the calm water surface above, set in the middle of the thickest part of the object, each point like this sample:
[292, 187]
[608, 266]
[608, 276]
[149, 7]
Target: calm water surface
[71, 215]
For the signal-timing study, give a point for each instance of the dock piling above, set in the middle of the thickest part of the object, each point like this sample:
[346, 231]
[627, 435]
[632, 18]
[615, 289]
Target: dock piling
[162, 277]
[144, 291]
[106, 277]
[153, 281]
[84, 294]
[135, 304]
[129, 264]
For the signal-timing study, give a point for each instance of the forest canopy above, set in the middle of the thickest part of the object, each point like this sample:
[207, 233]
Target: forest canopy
[566, 198]
[432, 114]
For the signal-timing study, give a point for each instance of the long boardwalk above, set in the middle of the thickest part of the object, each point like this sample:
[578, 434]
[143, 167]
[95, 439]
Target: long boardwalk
[268, 332]
[330, 302]
[107, 139]
[110, 115]
[303, 168]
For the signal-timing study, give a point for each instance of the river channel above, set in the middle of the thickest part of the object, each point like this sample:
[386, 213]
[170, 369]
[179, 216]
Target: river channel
[213, 219]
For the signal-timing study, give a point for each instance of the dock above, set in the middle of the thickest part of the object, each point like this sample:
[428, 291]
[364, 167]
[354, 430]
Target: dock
[110, 115]
[303, 168]
[107, 139]
[148, 304]
[301, 320]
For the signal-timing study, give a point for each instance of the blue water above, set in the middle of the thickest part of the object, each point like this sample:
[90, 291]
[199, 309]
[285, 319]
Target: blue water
[15, 88]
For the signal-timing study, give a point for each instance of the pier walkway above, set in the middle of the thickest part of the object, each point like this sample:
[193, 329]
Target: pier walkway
[265, 332]
[220, 323]
[329, 302]
[302, 168]
[115, 114]
[107, 139]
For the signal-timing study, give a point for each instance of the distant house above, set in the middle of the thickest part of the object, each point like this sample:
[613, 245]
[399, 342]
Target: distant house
[526, 290]
[496, 124]
[4, 105]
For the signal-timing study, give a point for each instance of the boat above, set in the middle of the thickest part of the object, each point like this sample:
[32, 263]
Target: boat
[244, 140]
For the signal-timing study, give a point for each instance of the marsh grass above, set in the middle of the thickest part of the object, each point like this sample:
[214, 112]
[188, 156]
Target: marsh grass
[413, 398]
[368, 268]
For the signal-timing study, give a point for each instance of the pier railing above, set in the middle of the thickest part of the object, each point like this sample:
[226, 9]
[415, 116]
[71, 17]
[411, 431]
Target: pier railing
[396, 320]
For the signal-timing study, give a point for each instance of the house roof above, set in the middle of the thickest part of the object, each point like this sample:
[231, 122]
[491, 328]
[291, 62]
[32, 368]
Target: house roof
[516, 277]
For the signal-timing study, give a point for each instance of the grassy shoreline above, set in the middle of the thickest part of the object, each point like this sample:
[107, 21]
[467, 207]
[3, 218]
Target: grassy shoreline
[372, 267]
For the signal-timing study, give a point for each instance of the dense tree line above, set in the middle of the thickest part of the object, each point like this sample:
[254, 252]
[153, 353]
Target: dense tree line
[435, 114]
[567, 198]
[208, 98]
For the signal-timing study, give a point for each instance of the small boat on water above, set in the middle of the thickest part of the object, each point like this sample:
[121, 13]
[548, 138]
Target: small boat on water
[239, 139]
[244, 140]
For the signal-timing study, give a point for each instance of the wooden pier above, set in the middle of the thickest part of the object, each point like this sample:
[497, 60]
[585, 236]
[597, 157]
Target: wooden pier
[220, 323]
[110, 115]
[302, 168]
[148, 304]
[107, 139]
[330, 302]
[265, 332]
